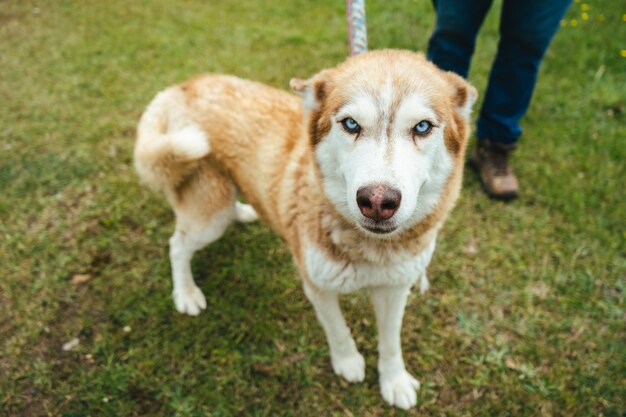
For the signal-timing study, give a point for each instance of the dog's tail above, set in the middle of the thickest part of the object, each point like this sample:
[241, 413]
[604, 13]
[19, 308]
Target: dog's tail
[169, 144]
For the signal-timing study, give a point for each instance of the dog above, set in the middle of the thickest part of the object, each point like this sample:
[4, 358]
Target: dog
[356, 172]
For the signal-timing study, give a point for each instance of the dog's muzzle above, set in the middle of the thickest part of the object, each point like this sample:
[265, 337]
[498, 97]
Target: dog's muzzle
[378, 203]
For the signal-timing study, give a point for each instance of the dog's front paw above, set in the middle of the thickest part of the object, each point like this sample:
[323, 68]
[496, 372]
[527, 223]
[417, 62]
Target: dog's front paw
[189, 301]
[351, 367]
[398, 389]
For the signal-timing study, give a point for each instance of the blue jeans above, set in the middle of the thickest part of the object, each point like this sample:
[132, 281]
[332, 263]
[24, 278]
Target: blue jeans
[526, 29]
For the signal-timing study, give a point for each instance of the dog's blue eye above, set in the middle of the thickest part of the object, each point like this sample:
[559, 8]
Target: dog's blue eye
[350, 125]
[423, 127]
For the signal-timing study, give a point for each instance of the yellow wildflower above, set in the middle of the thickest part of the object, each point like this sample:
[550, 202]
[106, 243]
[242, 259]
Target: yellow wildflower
[623, 53]
[584, 16]
[584, 7]
[573, 23]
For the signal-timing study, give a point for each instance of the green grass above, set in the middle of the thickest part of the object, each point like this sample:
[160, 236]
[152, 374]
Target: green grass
[530, 324]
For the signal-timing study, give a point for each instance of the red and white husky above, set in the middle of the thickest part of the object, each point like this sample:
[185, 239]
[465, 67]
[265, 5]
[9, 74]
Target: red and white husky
[357, 175]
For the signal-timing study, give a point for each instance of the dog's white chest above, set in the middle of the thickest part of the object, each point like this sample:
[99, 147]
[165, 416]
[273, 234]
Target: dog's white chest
[345, 277]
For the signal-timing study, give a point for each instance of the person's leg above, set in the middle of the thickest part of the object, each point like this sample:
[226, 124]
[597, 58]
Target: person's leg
[526, 29]
[451, 44]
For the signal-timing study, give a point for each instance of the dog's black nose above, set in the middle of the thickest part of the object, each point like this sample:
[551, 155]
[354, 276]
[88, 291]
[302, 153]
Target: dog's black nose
[378, 201]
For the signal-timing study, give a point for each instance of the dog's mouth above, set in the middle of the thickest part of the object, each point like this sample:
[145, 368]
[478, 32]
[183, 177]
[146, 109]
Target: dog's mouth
[380, 228]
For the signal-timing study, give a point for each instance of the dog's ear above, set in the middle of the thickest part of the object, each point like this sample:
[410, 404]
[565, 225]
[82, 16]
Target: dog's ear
[465, 94]
[463, 97]
[314, 90]
[314, 93]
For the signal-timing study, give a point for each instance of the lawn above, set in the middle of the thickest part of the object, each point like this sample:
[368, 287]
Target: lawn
[526, 312]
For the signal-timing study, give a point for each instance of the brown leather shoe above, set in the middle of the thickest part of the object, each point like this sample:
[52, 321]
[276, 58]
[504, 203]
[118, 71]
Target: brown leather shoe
[491, 161]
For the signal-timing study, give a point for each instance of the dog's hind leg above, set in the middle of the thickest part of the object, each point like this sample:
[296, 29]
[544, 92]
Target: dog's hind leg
[201, 218]
[245, 213]
[185, 241]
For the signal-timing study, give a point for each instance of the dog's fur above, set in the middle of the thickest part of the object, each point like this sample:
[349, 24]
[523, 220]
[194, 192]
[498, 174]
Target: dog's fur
[300, 169]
